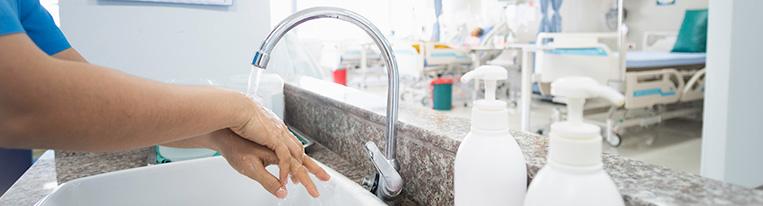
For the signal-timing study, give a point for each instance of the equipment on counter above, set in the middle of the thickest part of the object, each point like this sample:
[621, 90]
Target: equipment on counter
[340, 76]
[489, 167]
[574, 173]
[442, 93]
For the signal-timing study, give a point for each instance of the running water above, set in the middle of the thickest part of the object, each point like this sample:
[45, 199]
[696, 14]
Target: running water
[254, 81]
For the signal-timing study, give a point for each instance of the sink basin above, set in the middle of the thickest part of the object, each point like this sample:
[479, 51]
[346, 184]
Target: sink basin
[208, 181]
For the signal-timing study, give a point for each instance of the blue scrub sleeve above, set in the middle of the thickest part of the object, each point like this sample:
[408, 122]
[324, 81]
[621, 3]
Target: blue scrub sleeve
[9, 20]
[41, 28]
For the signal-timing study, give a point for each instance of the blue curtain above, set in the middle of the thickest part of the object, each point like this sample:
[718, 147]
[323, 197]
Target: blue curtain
[556, 20]
[555, 23]
[544, 22]
[437, 13]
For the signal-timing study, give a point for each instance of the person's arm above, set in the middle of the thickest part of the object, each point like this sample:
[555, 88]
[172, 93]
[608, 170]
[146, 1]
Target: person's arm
[240, 153]
[50, 103]
[70, 54]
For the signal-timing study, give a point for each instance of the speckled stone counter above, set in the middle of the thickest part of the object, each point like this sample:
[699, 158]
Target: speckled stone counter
[38, 181]
[343, 119]
[49, 171]
[73, 165]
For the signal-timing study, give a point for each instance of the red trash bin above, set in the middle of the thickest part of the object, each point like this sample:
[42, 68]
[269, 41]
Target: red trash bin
[340, 76]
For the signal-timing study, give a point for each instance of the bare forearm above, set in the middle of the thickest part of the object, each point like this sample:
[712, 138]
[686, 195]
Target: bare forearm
[201, 141]
[211, 140]
[51, 103]
[70, 54]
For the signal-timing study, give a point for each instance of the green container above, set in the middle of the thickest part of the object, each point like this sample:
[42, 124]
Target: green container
[442, 94]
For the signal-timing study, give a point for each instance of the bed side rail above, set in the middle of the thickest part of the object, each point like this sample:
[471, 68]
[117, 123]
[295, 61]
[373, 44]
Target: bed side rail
[658, 40]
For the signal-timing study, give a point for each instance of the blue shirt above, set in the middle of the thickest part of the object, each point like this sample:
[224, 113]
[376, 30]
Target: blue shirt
[29, 16]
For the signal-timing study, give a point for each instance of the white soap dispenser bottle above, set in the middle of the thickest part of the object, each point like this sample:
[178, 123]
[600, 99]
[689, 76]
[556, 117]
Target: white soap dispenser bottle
[573, 174]
[489, 167]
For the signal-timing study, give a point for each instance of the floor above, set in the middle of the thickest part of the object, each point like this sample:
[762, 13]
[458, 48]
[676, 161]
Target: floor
[673, 144]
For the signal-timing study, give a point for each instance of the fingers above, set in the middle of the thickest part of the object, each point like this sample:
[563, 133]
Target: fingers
[296, 148]
[294, 180]
[267, 156]
[314, 168]
[300, 173]
[256, 170]
[266, 129]
[250, 159]
[284, 160]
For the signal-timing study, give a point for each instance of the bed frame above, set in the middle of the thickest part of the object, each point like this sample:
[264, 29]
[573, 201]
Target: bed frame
[664, 92]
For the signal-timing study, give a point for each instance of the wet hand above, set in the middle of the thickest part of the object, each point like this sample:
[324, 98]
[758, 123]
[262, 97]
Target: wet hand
[250, 159]
[261, 126]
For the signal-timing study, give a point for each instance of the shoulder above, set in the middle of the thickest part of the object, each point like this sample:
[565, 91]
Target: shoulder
[27, 7]
[9, 17]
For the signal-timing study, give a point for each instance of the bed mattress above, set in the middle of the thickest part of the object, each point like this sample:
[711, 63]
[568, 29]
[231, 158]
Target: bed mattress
[656, 59]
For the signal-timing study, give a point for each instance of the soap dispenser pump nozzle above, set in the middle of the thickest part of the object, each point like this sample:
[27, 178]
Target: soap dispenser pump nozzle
[490, 74]
[575, 91]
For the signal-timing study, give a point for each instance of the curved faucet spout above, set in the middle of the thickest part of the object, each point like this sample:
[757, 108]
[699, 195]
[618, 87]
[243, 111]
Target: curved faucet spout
[262, 57]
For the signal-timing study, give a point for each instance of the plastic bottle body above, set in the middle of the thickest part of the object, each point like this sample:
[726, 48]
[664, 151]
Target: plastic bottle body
[572, 187]
[574, 174]
[489, 170]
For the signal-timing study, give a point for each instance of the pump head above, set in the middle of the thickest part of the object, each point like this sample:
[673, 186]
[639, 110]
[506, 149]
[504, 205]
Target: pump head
[490, 74]
[575, 90]
[583, 88]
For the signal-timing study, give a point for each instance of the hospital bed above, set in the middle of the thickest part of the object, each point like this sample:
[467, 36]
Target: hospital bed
[421, 62]
[418, 63]
[667, 85]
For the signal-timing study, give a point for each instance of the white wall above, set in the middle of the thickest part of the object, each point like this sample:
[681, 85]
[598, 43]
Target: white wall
[184, 43]
[584, 15]
[732, 142]
[645, 15]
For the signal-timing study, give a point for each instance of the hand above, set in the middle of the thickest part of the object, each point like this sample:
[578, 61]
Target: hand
[261, 126]
[250, 159]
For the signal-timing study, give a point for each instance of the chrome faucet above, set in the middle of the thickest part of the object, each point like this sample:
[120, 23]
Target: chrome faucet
[387, 183]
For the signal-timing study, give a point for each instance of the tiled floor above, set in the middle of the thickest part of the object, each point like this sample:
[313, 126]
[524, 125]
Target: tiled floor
[674, 144]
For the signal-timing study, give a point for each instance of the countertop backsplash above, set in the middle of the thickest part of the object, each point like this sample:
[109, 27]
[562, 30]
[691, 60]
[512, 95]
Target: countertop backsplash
[428, 141]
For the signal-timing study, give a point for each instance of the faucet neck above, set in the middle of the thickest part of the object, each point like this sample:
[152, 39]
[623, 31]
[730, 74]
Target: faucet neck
[262, 57]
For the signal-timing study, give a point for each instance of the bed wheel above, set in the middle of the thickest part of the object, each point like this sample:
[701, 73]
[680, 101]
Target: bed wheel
[614, 140]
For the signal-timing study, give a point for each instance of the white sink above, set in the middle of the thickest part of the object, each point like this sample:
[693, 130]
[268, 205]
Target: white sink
[209, 181]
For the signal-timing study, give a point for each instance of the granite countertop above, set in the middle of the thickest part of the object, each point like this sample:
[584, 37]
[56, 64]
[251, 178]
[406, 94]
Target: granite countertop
[640, 183]
[37, 182]
[54, 168]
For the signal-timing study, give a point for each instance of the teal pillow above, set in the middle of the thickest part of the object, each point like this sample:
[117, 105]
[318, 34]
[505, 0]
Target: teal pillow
[693, 34]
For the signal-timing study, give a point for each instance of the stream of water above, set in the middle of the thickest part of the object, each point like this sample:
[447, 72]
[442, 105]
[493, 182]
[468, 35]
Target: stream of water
[254, 81]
